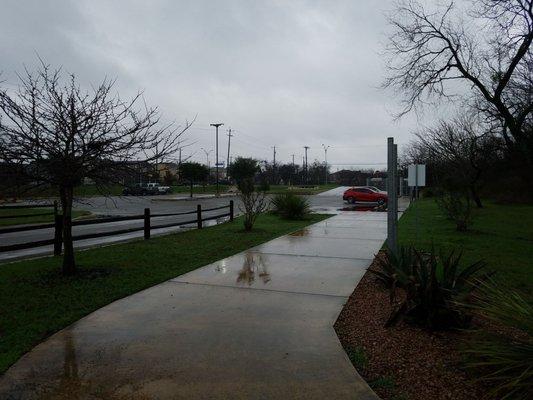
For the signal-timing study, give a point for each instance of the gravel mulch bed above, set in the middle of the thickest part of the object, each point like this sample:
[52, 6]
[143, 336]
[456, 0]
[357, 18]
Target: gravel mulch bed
[401, 362]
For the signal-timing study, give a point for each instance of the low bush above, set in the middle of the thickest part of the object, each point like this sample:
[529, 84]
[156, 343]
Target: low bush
[457, 206]
[503, 359]
[264, 185]
[290, 206]
[432, 285]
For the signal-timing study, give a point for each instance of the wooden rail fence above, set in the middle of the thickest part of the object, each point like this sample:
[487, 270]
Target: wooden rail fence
[147, 227]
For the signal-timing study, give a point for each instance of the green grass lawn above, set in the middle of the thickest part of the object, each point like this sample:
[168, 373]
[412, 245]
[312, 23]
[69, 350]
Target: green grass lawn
[116, 190]
[36, 300]
[275, 189]
[207, 189]
[33, 219]
[502, 235]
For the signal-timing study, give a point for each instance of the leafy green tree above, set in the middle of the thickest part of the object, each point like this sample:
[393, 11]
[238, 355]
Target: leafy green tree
[193, 172]
[243, 170]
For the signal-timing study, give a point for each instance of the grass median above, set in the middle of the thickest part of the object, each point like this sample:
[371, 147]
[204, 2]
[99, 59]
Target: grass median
[32, 216]
[36, 300]
[502, 235]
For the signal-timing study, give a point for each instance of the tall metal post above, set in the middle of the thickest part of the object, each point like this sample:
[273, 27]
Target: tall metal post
[306, 170]
[216, 158]
[230, 135]
[326, 160]
[392, 192]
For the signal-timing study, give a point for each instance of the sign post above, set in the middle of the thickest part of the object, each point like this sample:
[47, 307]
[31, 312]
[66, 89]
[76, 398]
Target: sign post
[416, 177]
[392, 194]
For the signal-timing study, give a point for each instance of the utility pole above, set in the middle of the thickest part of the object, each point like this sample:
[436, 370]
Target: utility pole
[230, 135]
[292, 171]
[306, 170]
[216, 157]
[274, 166]
[326, 159]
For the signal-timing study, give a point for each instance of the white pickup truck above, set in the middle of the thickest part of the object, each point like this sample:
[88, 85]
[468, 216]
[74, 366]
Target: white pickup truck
[157, 188]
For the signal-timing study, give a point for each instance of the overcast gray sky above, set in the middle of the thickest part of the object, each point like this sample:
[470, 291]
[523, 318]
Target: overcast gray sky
[284, 73]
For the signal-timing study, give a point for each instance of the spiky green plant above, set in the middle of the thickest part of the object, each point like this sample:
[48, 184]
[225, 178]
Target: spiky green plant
[432, 286]
[290, 206]
[504, 361]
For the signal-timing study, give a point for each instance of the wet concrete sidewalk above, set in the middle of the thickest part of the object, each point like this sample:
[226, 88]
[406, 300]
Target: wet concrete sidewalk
[257, 325]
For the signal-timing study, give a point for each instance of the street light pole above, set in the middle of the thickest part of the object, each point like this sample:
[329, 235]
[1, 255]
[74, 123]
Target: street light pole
[306, 170]
[216, 157]
[230, 135]
[207, 162]
[326, 159]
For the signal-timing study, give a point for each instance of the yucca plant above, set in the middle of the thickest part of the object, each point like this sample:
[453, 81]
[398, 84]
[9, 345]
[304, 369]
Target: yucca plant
[438, 283]
[290, 206]
[432, 286]
[395, 269]
[504, 361]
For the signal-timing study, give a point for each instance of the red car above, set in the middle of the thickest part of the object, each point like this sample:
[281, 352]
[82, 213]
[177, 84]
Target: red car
[364, 194]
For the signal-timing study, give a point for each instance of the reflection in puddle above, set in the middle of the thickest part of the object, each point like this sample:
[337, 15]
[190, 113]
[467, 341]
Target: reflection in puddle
[254, 263]
[301, 232]
[365, 207]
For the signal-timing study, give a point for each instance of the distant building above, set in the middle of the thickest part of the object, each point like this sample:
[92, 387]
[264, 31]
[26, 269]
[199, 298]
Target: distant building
[346, 177]
[167, 172]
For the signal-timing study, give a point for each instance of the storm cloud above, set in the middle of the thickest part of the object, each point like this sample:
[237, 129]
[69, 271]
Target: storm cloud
[280, 73]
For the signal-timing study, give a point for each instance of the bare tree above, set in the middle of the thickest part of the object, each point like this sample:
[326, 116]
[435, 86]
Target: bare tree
[490, 50]
[459, 153]
[59, 135]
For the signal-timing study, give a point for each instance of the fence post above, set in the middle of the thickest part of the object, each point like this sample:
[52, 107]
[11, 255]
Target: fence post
[199, 215]
[231, 210]
[146, 223]
[58, 233]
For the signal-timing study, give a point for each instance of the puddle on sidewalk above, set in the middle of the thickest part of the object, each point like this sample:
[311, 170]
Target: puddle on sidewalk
[364, 207]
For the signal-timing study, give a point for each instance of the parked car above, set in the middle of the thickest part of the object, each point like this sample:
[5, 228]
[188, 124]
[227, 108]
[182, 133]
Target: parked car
[139, 189]
[364, 194]
[375, 189]
[158, 189]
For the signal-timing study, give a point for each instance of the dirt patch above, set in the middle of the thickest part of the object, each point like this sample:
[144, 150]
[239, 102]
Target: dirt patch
[401, 362]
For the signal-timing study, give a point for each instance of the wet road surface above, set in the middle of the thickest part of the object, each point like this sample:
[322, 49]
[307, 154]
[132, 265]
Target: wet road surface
[117, 206]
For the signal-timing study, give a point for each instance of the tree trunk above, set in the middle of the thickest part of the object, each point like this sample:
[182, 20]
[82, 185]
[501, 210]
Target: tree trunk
[191, 189]
[476, 198]
[69, 264]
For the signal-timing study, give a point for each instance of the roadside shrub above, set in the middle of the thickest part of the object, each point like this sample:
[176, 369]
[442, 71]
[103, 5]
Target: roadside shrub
[253, 203]
[457, 206]
[264, 185]
[427, 193]
[503, 359]
[432, 285]
[243, 170]
[290, 206]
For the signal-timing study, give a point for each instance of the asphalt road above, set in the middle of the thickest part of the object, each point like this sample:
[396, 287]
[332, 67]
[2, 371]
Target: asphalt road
[330, 201]
[119, 206]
